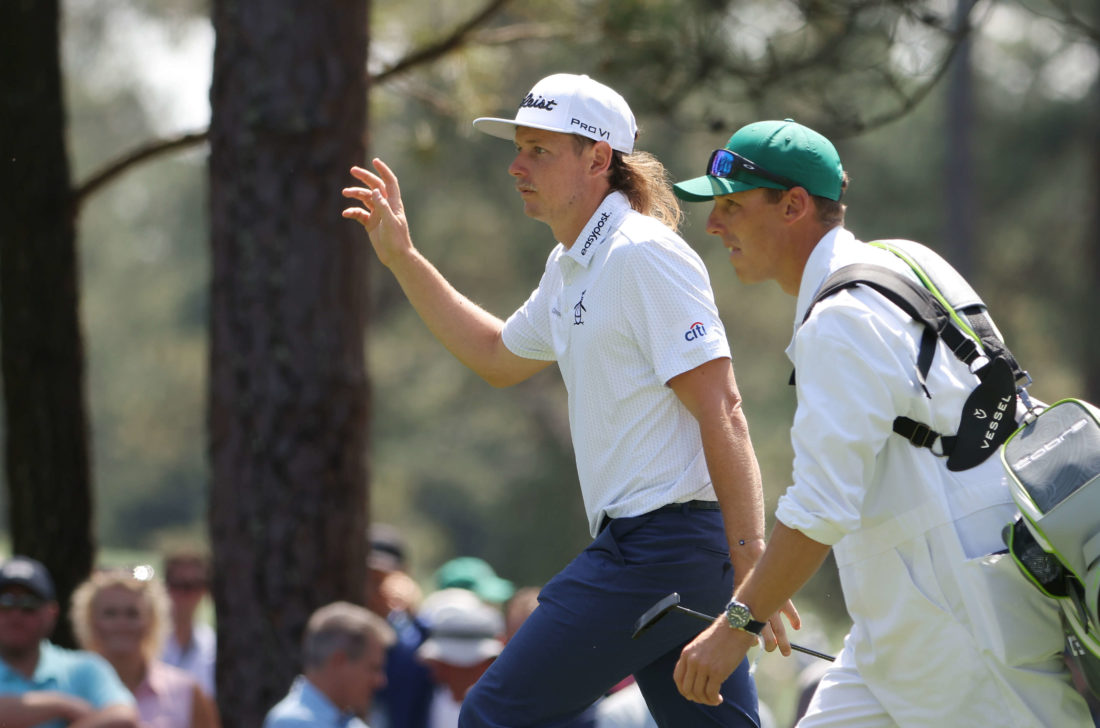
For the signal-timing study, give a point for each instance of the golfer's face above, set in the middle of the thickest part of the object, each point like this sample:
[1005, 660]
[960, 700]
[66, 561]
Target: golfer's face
[746, 223]
[548, 169]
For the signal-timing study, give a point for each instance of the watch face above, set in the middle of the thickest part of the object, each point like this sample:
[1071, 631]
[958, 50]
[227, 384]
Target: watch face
[738, 615]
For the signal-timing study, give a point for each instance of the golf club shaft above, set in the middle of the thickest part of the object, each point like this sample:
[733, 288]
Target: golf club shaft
[797, 648]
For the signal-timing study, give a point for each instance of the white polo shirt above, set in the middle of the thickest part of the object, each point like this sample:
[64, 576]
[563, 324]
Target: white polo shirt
[628, 307]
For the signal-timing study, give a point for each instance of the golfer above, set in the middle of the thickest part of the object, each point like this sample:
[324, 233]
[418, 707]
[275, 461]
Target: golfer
[626, 309]
[946, 631]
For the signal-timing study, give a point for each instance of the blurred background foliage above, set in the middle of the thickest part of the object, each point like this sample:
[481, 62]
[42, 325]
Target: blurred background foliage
[467, 469]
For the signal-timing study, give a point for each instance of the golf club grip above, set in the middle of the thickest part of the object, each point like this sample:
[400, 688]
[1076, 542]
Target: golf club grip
[795, 647]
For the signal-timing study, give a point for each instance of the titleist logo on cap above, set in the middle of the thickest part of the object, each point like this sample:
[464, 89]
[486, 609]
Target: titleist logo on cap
[530, 102]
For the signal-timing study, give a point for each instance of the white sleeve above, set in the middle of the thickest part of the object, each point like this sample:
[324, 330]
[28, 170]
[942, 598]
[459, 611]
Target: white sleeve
[667, 302]
[854, 372]
[527, 332]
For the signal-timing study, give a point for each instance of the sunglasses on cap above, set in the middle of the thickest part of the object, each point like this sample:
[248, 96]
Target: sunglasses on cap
[26, 603]
[730, 165]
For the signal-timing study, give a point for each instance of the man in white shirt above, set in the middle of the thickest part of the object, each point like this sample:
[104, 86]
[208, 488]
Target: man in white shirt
[946, 631]
[626, 309]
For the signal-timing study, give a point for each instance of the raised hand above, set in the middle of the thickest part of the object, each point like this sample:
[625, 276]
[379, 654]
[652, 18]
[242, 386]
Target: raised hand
[382, 213]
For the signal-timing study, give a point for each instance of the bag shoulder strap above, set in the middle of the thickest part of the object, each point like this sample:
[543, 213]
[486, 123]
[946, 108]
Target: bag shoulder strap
[993, 365]
[911, 297]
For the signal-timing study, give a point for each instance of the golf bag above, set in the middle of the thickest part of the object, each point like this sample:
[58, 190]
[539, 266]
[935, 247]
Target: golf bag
[1053, 461]
[1053, 458]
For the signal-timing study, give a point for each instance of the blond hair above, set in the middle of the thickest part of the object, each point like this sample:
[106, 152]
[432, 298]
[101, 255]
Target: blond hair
[153, 599]
[645, 182]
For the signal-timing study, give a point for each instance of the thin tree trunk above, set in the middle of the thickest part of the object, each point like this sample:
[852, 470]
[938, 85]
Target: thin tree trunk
[960, 237]
[46, 435]
[1091, 302]
[288, 397]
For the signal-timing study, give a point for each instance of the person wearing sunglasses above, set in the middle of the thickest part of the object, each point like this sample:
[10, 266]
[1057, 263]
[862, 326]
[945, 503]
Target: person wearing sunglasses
[625, 308]
[191, 643]
[41, 684]
[946, 631]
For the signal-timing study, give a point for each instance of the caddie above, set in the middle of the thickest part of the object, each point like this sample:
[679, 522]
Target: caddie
[626, 309]
[945, 630]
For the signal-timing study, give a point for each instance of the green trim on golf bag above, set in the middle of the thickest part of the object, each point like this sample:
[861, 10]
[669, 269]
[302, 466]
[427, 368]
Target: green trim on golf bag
[950, 310]
[1053, 463]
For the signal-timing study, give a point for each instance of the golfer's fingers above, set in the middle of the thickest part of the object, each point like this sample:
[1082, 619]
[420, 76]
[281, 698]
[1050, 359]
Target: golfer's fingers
[369, 214]
[391, 190]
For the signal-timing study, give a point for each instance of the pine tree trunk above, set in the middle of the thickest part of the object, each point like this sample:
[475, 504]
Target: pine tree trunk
[46, 440]
[288, 399]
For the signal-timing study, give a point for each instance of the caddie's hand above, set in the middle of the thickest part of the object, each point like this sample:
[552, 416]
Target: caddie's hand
[709, 659]
[382, 212]
[775, 632]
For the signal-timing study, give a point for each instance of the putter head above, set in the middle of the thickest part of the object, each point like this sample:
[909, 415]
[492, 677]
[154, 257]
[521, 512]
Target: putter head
[655, 613]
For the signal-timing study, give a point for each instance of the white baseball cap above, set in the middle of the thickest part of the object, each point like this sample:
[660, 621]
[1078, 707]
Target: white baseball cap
[570, 104]
[462, 630]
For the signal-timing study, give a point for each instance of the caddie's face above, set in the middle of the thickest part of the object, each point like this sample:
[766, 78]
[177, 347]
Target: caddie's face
[748, 224]
[549, 172]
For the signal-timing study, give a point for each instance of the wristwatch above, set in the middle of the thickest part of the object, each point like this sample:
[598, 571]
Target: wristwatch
[739, 616]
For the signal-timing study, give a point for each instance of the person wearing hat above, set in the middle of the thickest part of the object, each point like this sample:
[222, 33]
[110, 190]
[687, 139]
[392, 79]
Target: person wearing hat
[945, 630]
[42, 684]
[476, 575]
[393, 594]
[626, 309]
[465, 635]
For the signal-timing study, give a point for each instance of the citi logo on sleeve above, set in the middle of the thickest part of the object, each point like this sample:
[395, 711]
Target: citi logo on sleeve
[696, 331]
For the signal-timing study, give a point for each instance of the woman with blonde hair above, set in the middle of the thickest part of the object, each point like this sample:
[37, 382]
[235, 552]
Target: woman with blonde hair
[123, 616]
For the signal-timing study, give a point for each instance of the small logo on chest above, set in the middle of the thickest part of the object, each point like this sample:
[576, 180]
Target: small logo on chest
[579, 310]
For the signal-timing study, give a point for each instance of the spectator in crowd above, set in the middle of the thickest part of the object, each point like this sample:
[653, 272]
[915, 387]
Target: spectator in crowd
[465, 636]
[42, 684]
[122, 615]
[344, 657]
[390, 588]
[191, 644]
[476, 575]
[392, 593]
[518, 609]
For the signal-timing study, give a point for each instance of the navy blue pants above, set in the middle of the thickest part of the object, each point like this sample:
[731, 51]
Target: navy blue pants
[577, 644]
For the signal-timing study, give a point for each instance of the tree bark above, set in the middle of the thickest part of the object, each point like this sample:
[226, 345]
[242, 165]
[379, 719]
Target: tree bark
[46, 434]
[288, 397]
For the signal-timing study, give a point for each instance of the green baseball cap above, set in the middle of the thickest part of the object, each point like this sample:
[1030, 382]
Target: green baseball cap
[474, 574]
[778, 149]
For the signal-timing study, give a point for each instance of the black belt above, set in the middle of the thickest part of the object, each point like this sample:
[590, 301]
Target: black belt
[684, 507]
